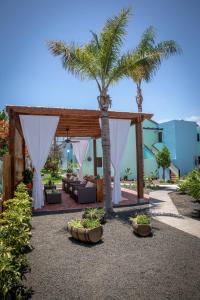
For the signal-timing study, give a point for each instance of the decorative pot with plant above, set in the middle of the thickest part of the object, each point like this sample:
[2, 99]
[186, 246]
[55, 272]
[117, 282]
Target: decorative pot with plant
[142, 225]
[95, 214]
[85, 230]
[50, 185]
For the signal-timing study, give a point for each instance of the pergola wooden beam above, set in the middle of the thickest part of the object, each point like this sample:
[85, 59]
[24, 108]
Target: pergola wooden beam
[79, 122]
[54, 111]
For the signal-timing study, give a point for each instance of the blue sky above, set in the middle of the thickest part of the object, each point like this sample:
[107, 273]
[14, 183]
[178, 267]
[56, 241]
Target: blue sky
[30, 75]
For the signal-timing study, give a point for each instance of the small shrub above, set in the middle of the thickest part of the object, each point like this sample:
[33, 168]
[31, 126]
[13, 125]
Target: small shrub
[14, 243]
[191, 184]
[85, 223]
[90, 224]
[141, 219]
[76, 223]
[94, 213]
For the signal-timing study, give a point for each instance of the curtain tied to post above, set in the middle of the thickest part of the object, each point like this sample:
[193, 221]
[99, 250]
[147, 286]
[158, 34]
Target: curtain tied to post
[80, 150]
[119, 130]
[38, 133]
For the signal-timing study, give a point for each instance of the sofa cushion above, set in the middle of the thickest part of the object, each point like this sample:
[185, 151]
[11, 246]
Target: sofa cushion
[90, 184]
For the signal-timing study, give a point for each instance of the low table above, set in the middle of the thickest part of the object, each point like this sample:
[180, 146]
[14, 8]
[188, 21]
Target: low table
[53, 196]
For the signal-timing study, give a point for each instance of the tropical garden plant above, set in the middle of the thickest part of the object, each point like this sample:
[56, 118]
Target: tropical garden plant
[95, 213]
[85, 223]
[15, 236]
[191, 184]
[163, 159]
[141, 219]
[101, 60]
[145, 69]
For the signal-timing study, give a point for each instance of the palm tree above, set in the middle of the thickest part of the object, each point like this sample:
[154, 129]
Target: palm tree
[154, 54]
[99, 60]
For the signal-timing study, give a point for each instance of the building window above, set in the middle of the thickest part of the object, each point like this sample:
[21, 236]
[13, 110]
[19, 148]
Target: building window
[160, 139]
[198, 137]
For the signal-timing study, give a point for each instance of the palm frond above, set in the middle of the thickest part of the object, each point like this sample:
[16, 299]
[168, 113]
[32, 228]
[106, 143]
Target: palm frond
[111, 39]
[147, 40]
[168, 48]
[149, 56]
[79, 61]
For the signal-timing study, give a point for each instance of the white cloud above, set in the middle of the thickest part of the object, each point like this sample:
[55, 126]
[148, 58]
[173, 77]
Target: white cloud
[191, 119]
[164, 120]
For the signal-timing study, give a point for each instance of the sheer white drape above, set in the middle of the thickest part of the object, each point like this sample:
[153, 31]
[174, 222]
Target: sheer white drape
[38, 133]
[119, 130]
[80, 150]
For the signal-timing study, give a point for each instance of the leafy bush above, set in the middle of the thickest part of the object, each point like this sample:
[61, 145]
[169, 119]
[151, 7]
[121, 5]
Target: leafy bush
[141, 219]
[191, 184]
[90, 224]
[85, 223]
[94, 213]
[14, 243]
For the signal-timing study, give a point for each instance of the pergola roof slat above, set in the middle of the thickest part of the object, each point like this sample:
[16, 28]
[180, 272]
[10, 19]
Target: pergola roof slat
[80, 122]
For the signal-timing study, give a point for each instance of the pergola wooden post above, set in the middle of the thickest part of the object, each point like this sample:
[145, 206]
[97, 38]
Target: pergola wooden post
[140, 160]
[80, 123]
[11, 146]
[95, 156]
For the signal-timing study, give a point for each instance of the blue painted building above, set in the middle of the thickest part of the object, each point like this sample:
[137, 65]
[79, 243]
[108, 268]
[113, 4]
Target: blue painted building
[182, 138]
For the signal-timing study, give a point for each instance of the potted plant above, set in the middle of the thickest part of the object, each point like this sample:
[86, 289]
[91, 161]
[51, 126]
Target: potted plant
[142, 225]
[85, 230]
[95, 214]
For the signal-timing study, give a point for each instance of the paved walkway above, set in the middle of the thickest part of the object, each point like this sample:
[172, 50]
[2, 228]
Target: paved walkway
[165, 211]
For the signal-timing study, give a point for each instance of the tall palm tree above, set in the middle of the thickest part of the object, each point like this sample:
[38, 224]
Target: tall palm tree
[99, 60]
[145, 69]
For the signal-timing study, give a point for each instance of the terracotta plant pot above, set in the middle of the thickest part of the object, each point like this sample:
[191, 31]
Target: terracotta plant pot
[142, 229]
[86, 235]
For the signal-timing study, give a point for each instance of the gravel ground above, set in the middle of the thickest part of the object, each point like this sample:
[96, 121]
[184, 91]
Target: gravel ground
[122, 266]
[185, 204]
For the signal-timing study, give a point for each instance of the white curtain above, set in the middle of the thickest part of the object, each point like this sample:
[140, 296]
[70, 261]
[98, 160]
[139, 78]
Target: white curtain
[38, 133]
[119, 130]
[80, 150]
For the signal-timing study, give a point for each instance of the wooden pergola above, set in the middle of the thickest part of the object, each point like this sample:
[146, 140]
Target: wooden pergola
[80, 123]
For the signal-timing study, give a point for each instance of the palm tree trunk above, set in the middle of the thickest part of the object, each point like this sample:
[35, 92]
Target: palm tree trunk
[105, 135]
[139, 98]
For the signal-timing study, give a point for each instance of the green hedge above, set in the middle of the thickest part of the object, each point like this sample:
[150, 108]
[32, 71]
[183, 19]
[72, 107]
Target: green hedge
[15, 236]
[191, 184]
